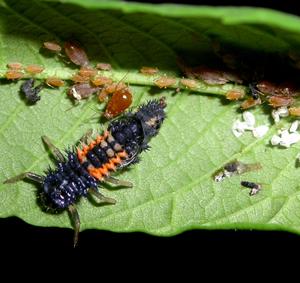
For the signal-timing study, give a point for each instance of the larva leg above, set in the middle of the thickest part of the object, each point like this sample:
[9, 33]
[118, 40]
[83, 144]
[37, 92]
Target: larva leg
[118, 182]
[26, 175]
[54, 150]
[76, 221]
[102, 198]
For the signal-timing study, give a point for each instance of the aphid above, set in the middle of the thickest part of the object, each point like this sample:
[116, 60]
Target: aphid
[189, 83]
[82, 91]
[76, 53]
[87, 72]
[235, 94]
[54, 81]
[15, 66]
[235, 168]
[164, 82]
[250, 102]
[118, 103]
[273, 89]
[294, 111]
[279, 101]
[34, 69]
[100, 81]
[80, 172]
[31, 92]
[52, 46]
[13, 75]
[209, 75]
[103, 66]
[110, 89]
[255, 188]
[79, 79]
[149, 71]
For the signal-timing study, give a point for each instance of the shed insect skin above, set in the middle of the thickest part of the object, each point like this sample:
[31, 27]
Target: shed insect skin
[31, 92]
[255, 187]
[235, 168]
[80, 171]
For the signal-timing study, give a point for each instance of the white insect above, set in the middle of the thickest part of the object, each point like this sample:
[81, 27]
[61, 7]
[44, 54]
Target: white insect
[285, 137]
[239, 127]
[280, 112]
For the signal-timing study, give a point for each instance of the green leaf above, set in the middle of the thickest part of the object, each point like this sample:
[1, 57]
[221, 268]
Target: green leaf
[173, 186]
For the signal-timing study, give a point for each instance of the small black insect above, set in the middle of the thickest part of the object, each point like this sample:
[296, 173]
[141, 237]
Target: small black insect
[254, 92]
[31, 92]
[255, 188]
[83, 169]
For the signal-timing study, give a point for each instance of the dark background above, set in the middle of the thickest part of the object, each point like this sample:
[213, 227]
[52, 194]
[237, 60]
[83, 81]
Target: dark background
[15, 235]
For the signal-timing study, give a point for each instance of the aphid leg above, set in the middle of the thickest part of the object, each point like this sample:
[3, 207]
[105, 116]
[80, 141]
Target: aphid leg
[76, 222]
[54, 150]
[102, 198]
[118, 182]
[26, 175]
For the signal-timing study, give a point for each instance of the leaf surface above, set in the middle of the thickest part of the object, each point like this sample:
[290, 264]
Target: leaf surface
[173, 186]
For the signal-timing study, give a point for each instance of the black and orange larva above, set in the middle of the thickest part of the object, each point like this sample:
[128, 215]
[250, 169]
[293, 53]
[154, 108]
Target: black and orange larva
[81, 170]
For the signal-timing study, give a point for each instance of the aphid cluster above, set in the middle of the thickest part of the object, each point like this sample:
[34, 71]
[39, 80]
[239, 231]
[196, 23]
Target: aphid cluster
[17, 71]
[87, 81]
[81, 170]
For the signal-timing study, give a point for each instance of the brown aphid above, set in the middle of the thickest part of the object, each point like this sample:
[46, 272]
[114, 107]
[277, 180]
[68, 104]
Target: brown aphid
[149, 71]
[52, 46]
[79, 79]
[119, 102]
[279, 100]
[81, 91]
[103, 66]
[209, 75]
[294, 111]
[54, 81]
[34, 69]
[283, 89]
[100, 81]
[235, 94]
[13, 75]
[250, 102]
[87, 72]
[115, 87]
[110, 89]
[189, 83]
[76, 53]
[15, 66]
[164, 82]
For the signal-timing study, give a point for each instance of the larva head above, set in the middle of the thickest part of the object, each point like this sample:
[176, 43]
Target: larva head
[151, 116]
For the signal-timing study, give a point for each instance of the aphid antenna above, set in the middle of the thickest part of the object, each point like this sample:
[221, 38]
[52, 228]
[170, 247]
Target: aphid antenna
[123, 78]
